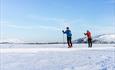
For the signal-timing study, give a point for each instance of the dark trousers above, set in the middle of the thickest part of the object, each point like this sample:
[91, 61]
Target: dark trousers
[69, 42]
[89, 42]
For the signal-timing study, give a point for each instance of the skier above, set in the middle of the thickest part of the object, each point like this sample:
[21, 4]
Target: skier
[89, 38]
[69, 36]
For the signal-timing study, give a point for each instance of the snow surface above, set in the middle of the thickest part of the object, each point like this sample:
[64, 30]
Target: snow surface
[57, 57]
[52, 45]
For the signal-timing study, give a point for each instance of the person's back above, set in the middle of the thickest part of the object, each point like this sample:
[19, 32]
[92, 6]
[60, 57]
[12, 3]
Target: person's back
[88, 34]
[68, 33]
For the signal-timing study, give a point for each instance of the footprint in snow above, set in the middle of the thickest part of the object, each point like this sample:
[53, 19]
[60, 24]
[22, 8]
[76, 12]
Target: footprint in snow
[89, 57]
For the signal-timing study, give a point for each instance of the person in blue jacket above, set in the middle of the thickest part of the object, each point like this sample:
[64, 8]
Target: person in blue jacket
[69, 36]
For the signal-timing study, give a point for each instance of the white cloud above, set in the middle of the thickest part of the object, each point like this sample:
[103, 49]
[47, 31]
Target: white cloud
[49, 27]
[8, 25]
[61, 22]
[20, 27]
[45, 18]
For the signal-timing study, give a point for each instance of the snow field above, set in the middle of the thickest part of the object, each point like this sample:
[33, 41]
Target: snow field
[96, 58]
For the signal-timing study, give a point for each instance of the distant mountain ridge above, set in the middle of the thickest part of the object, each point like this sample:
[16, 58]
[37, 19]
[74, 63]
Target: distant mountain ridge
[99, 39]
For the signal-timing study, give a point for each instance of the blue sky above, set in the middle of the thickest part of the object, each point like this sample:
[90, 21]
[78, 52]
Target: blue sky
[44, 20]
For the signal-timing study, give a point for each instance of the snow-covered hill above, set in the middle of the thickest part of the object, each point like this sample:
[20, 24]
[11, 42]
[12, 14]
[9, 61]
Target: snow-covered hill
[99, 39]
[11, 40]
[104, 38]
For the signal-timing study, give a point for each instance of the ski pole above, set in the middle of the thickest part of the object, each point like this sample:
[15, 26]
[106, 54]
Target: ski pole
[63, 40]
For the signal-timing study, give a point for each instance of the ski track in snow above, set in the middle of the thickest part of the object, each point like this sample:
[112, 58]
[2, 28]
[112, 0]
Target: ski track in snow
[96, 58]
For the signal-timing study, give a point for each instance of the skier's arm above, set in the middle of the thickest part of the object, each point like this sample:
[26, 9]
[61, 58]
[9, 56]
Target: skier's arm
[63, 31]
[85, 34]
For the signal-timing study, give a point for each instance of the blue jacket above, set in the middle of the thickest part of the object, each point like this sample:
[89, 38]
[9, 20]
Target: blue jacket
[68, 33]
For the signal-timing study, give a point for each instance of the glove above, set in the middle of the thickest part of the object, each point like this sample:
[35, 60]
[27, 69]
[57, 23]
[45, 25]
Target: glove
[63, 31]
[84, 33]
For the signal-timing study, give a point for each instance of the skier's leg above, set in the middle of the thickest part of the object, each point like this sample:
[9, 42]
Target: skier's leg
[70, 45]
[88, 43]
[70, 42]
[91, 42]
[67, 41]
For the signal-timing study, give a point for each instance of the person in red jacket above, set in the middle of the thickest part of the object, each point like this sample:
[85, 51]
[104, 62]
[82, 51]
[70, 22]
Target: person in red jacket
[88, 34]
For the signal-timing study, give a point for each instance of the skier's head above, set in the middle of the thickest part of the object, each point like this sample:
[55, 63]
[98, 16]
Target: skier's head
[67, 28]
[87, 30]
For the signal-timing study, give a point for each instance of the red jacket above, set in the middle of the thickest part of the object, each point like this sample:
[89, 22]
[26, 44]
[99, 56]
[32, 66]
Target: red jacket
[88, 34]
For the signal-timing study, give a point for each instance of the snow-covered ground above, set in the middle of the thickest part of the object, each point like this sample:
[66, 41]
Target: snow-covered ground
[57, 57]
[52, 45]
